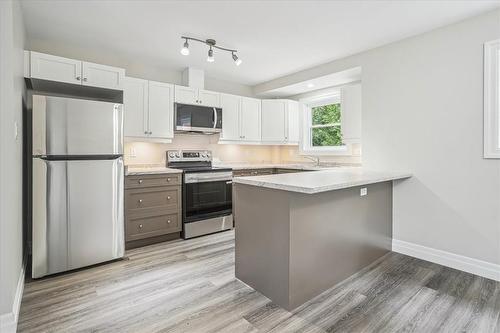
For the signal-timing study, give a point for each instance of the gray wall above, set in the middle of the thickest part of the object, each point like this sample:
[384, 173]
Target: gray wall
[11, 94]
[423, 112]
[134, 69]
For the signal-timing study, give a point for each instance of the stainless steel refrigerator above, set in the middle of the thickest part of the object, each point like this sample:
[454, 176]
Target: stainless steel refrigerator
[77, 193]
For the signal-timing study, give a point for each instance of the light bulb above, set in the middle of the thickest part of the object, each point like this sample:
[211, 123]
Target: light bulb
[185, 48]
[237, 60]
[210, 57]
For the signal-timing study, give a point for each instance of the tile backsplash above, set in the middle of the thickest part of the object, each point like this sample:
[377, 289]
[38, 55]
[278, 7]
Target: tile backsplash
[140, 153]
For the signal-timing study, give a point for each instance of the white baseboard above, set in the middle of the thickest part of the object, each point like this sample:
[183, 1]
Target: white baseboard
[8, 321]
[466, 264]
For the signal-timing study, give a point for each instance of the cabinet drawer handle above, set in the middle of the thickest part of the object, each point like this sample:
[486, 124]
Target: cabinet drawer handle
[140, 181]
[168, 197]
[140, 226]
[168, 221]
[168, 179]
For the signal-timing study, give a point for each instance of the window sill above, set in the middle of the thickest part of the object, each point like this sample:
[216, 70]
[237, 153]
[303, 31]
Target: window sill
[339, 151]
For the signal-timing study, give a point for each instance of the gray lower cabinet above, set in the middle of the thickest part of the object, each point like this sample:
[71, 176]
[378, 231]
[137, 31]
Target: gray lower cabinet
[152, 209]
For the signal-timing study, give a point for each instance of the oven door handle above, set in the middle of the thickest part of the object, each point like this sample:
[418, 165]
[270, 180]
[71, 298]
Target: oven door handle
[204, 178]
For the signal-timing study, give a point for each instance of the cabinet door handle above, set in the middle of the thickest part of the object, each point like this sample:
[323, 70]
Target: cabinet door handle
[140, 201]
[140, 226]
[78, 78]
[140, 181]
[168, 221]
[85, 79]
[168, 179]
[168, 197]
[145, 132]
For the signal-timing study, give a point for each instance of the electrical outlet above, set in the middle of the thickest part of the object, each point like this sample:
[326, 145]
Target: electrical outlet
[132, 152]
[363, 191]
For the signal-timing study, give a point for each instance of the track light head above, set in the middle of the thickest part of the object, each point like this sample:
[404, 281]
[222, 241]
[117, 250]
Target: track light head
[185, 48]
[210, 57]
[237, 60]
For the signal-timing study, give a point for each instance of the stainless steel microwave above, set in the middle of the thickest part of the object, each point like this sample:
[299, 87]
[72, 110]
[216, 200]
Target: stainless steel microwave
[196, 118]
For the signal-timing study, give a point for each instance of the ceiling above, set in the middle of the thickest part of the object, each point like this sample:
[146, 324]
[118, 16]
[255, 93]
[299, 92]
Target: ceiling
[274, 38]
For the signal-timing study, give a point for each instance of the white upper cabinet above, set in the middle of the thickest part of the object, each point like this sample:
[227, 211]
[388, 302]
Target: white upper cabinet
[240, 118]
[161, 110]
[194, 96]
[54, 68]
[230, 117]
[351, 114]
[97, 75]
[293, 123]
[250, 114]
[280, 121]
[186, 95]
[135, 110]
[274, 121]
[149, 110]
[208, 98]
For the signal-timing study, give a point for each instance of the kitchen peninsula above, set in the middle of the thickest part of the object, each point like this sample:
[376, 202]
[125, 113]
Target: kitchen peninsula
[300, 234]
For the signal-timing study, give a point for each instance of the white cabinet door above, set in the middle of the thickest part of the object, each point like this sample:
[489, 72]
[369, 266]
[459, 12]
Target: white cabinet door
[135, 107]
[351, 114]
[293, 122]
[186, 95]
[250, 119]
[54, 68]
[161, 110]
[102, 76]
[230, 117]
[208, 98]
[273, 120]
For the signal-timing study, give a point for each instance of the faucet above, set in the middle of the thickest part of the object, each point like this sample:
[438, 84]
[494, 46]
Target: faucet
[315, 159]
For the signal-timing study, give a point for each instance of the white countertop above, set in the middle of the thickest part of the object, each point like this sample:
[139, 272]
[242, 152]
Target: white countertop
[321, 181]
[296, 166]
[146, 170]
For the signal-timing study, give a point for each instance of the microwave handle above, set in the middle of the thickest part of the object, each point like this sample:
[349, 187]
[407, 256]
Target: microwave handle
[215, 117]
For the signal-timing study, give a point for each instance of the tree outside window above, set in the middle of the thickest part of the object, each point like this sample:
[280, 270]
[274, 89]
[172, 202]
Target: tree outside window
[326, 126]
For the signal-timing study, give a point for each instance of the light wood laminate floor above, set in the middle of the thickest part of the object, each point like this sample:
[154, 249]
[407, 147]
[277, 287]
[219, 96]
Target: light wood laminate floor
[189, 286]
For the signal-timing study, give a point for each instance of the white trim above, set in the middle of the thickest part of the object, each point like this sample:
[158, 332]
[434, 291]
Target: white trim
[491, 99]
[466, 264]
[8, 321]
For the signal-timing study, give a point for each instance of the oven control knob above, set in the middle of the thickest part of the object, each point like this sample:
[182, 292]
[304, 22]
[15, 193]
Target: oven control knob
[177, 155]
[203, 155]
[171, 154]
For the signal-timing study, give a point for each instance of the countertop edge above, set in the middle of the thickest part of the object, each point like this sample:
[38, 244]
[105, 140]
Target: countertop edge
[326, 188]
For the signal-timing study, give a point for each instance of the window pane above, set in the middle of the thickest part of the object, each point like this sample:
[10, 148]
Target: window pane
[326, 136]
[326, 114]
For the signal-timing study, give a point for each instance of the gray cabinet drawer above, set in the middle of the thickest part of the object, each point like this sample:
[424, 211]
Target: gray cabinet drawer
[152, 180]
[144, 199]
[153, 225]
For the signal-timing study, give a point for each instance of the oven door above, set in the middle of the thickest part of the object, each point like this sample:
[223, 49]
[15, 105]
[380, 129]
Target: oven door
[206, 195]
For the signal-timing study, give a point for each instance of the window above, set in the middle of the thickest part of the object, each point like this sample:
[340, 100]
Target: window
[492, 99]
[326, 127]
[322, 126]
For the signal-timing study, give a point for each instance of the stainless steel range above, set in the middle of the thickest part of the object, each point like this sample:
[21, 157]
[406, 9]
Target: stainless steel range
[206, 193]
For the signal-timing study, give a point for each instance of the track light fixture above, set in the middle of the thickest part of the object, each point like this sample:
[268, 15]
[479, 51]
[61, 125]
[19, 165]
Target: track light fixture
[185, 48]
[211, 43]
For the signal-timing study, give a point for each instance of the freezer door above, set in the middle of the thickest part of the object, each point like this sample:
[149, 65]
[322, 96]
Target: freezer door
[67, 126]
[77, 214]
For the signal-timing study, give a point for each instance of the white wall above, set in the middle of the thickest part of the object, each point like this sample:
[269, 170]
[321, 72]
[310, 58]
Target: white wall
[422, 112]
[11, 94]
[133, 69]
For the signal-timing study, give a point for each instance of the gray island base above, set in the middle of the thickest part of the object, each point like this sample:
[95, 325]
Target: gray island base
[291, 246]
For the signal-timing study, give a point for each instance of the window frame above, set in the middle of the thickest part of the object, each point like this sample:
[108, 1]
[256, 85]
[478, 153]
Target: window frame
[306, 147]
[492, 99]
